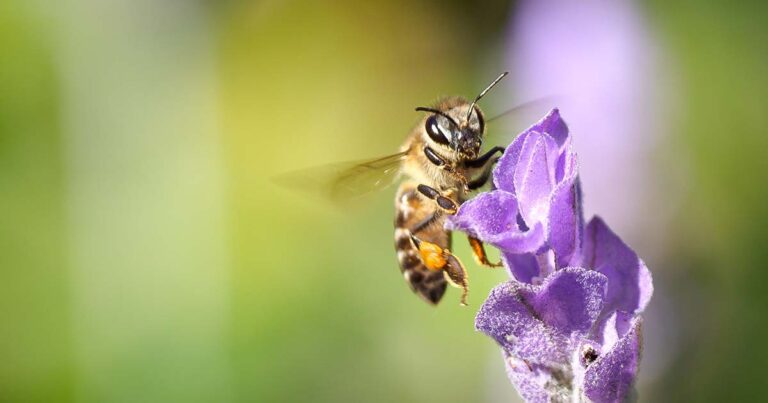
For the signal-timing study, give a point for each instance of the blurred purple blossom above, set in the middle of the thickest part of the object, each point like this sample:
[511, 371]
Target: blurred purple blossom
[599, 59]
[568, 322]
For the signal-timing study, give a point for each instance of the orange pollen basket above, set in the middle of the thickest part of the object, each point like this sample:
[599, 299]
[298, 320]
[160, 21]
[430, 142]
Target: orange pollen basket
[432, 256]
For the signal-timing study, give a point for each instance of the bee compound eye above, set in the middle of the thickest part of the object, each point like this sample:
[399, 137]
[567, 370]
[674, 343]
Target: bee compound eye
[480, 121]
[435, 132]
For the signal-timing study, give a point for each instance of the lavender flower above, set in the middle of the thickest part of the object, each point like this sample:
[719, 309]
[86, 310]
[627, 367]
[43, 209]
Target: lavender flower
[569, 320]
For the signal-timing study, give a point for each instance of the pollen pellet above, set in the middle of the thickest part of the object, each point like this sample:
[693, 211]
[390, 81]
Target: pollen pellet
[432, 256]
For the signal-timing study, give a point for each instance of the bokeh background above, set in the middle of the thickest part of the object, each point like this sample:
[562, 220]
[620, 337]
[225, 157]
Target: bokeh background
[147, 256]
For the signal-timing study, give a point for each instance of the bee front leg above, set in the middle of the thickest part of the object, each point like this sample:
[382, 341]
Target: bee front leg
[478, 252]
[447, 205]
[485, 161]
[436, 258]
[440, 162]
[480, 161]
[481, 180]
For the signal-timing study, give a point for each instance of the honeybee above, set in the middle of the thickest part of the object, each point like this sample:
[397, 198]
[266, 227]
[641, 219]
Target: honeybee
[442, 165]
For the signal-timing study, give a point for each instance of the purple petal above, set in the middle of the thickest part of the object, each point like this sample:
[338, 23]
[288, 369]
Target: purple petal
[564, 230]
[611, 376]
[535, 323]
[486, 215]
[566, 162]
[630, 284]
[553, 125]
[535, 177]
[522, 266]
[512, 322]
[504, 172]
[571, 299]
[614, 327]
[492, 217]
[530, 385]
[519, 242]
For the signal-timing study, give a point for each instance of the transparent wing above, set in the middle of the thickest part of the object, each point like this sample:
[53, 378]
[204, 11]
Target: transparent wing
[526, 107]
[345, 181]
[518, 117]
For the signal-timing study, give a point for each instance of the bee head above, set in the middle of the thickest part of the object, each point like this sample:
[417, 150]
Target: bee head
[457, 124]
[452, 127]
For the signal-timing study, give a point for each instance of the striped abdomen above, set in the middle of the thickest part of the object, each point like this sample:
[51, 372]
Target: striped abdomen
[412, 210]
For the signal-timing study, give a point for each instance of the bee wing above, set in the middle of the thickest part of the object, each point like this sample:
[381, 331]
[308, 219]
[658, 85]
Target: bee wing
[528, 106]
[524, 112]
[345, 181]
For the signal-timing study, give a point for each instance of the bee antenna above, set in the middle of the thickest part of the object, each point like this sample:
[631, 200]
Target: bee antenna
[482, 94]
[435, 111]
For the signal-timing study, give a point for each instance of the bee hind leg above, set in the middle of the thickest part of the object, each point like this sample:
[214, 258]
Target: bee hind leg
[456, 275]
[478, 252]
[436, 258]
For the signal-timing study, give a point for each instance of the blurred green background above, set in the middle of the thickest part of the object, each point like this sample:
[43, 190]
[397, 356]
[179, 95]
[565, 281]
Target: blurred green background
[146, 255]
